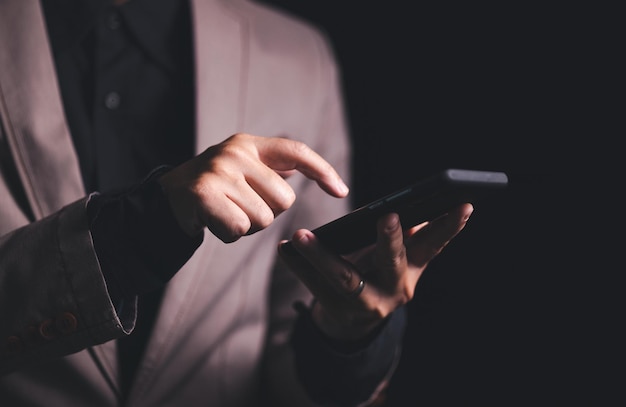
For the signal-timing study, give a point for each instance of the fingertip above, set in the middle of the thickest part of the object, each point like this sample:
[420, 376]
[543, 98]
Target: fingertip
[390, 222]
[337, 189]
[300, 238]
[342, 188]
[468, 210]
[303, 236]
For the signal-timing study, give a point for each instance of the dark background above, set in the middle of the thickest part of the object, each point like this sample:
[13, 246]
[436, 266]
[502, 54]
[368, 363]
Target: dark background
[519, 309]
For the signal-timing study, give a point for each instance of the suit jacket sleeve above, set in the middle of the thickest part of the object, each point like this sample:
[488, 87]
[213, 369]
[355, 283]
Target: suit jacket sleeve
[53, 297]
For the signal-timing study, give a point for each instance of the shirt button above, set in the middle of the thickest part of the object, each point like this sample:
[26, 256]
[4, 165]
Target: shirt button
[112, 100]
[113, 21]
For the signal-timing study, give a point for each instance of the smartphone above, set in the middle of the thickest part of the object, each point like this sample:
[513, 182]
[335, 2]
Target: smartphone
[422, 201]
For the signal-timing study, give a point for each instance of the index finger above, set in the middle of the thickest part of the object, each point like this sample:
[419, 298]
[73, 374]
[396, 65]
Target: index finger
[283, 154]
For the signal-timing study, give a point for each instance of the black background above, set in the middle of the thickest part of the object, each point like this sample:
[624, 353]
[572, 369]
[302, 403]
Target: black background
[520, 308]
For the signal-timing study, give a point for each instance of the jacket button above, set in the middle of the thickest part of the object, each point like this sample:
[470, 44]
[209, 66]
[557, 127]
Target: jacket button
[66, 323]
[47, 329]
[14, 344]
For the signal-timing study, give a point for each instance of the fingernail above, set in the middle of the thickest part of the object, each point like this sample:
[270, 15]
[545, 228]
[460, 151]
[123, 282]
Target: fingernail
[343, 188]
[393, 222]
[304, 237]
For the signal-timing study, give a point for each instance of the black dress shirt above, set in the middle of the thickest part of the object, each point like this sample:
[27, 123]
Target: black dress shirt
[126, 77]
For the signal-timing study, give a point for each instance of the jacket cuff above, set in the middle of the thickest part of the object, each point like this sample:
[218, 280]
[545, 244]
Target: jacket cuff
[137, 239]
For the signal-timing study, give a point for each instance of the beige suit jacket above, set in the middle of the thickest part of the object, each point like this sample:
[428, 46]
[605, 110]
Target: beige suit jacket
[258, 71]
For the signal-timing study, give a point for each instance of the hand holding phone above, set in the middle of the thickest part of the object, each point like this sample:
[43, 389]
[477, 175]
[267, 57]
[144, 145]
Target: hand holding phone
[422, 201]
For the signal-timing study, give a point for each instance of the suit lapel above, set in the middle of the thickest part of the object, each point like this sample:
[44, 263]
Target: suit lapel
[32, 112]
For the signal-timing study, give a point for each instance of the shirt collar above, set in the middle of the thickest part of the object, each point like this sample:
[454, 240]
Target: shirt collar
[69, 21]
[160, 27]
[157, 25]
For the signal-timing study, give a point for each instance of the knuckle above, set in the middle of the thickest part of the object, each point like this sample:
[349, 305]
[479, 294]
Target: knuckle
[228, 229]
[239, 136]
[393, 262]
[345, 277]
[236, 230]
[300, 148]
[265, 217]
[285, 199]
[230, 151]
